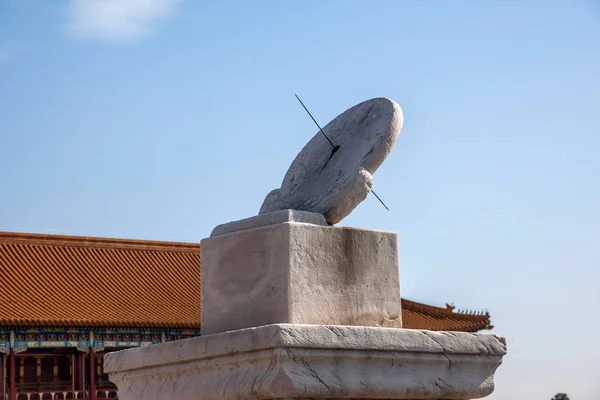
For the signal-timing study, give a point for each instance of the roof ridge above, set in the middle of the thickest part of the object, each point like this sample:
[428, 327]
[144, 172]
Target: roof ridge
[41, 239]
[448, 311]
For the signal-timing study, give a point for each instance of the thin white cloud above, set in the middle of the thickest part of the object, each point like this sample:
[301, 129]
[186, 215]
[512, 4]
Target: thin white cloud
[116, 20]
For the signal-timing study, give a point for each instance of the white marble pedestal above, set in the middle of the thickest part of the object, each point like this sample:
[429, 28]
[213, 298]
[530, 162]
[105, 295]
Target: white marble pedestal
[286, 361]
[290, 267]
[295, 309]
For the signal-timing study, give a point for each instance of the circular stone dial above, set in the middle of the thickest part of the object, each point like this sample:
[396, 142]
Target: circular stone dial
[333, 180]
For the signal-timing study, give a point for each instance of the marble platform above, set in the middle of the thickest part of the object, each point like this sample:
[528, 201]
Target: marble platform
[285, 361]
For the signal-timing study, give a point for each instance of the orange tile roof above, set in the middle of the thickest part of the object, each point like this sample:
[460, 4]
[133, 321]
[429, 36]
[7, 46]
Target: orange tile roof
[422, 316]
[55, 280]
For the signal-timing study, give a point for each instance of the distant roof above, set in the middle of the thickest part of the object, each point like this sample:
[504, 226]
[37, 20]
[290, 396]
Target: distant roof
[56, 280]
[422, 316]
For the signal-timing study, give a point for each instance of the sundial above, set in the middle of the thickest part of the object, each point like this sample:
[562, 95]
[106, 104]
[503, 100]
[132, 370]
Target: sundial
[333, 173]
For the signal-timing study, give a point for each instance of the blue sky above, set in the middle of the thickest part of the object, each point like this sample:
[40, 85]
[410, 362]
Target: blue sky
[159, 119]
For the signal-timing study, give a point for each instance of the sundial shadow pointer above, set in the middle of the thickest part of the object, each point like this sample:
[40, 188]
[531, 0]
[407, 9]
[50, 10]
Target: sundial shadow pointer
[333, 173]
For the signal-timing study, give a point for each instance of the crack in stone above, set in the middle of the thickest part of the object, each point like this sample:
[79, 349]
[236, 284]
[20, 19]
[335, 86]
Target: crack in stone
[260, 379]
[141, 392]
[441, 348]
[311, 372]
[336, 376]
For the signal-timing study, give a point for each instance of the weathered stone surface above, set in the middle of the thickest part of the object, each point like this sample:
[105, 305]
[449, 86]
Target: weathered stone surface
[276, 217]
[307, 361]
[333, 183]
[299, 273]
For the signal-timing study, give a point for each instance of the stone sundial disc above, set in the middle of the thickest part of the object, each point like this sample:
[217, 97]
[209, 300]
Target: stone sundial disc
[334, 180]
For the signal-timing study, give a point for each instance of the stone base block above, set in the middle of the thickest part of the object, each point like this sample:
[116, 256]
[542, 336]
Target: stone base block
[311, 362]
[290, 267]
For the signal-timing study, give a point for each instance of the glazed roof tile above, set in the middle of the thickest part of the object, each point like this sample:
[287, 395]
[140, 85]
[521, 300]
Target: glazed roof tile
[55, 280]
[422, 316]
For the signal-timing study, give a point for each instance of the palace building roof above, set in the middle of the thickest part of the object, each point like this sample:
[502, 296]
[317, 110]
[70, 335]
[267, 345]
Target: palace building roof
[53, 280]
[77, 281]
[422, 316]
